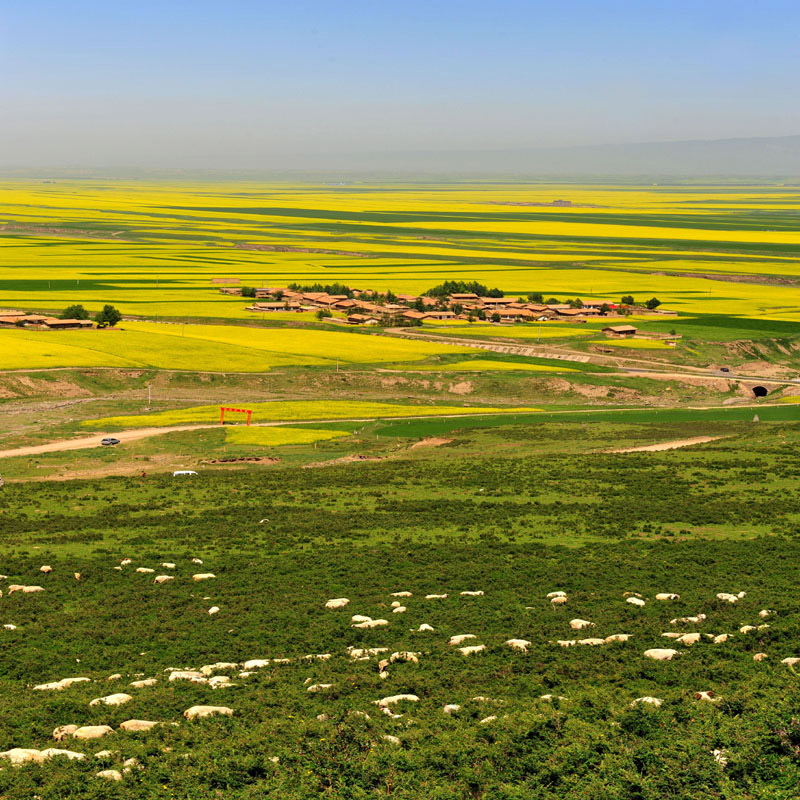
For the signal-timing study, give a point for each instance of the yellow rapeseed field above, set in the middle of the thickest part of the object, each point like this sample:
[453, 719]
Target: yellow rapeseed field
[274, 436]
[291, 410]
[482, 364]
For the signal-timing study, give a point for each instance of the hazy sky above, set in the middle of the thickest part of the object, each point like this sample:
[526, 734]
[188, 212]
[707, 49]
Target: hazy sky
[233, 83]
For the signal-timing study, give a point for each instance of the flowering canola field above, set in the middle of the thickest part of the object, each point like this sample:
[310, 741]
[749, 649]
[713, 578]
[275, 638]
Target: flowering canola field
[154, 248]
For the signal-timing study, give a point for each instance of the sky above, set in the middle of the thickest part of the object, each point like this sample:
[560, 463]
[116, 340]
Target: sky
[255, 83]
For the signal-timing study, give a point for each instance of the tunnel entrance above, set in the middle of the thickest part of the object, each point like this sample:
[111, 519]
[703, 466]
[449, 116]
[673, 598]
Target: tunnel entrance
[759, 391]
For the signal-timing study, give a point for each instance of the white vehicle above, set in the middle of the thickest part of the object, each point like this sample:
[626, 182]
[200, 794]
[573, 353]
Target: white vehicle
[183, 472]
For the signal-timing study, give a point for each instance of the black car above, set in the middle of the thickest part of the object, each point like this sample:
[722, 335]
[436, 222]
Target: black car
[110, 440]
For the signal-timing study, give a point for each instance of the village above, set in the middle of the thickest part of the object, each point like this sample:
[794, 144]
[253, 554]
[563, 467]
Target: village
[369, 308]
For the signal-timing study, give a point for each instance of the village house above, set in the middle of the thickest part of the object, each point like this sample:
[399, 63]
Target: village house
[361, 319]
[441, 315]
[413, 314]
[463, 297]
[65, 324]
[619, 331]
[231, 290]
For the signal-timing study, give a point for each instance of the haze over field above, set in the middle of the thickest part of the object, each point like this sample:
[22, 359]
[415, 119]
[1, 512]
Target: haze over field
[433, 87]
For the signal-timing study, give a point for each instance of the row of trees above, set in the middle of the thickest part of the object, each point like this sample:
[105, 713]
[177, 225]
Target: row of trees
[108, 317]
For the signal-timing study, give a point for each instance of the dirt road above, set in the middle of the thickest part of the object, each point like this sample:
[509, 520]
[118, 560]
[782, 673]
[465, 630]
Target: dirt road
[95, 440]
[673, 445]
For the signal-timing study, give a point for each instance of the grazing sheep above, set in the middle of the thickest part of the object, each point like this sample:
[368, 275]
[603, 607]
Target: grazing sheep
[487, 720]
[371, 623]
[721, 639]
[592, 642]
[548, 698]
[661, 654]
[21, 755]
[46, 569]
[400, 594]
[472, 649]
[747, 628]
[115, 677]
[187, 675]
[558, 601]
[791, 661]
[167, 565]
[8, 626]
[337, 602]
[112, 699]
[213, 610]
[387, 737]
[145, 570]
[207, 711]
[653, 701]
[451, 708]
[519, 644]
[759, 656]
[109, 774]
[551, 595]
[567, 642]
[197, 561]
[727, 597]
[63, 731]
[126, 561]
[399, 610]
[31, 589]
[688, 620]
[436, 597]
[618, 637]
[92, 732]
[635, 601]
[76, 575]
[163, 578]
[461, 637]
[145, 682]
[720, 756]
[425, 627]
[765, 612]
[393, 699]
[689, 638]
[580, 624]
[256, 663]
[667, 596]
[671, 635]
[708, 696]
[209, 669]
[360, 652]
[136, 725]
[59, 686]
[203, 576]
[360, 618]
[404, 655]
[472, 594]
[319, 687]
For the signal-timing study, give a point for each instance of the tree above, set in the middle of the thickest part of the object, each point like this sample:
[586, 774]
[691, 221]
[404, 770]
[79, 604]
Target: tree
[627, 300]
[108, 317]
[248, 291]
[652, 303]
[552, 301]
[605, 308]
[576, 303]
[323, 313]
[495, 317]
[535, 297]
[75, 312]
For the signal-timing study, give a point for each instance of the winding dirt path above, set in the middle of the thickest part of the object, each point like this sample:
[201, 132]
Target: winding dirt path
[673, 445]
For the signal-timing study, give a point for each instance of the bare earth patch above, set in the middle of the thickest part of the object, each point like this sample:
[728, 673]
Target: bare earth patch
[352, 459]
[673, 445]
[431, 441]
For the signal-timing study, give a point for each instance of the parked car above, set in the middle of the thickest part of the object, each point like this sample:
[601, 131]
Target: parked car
[183, 472]
[109, 441]
[724, 369]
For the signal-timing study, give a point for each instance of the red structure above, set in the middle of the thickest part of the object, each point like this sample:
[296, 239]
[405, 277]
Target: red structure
[223, 409]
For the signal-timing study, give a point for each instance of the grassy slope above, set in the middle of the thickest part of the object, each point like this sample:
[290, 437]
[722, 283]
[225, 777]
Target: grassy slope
[446, 523]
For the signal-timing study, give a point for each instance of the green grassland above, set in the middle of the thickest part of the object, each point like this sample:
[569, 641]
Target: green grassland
[473, 515]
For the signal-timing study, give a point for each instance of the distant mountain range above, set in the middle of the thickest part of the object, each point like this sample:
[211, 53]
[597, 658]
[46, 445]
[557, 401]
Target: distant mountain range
[775, 159]
[768, 156]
